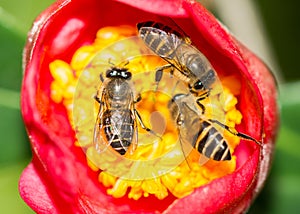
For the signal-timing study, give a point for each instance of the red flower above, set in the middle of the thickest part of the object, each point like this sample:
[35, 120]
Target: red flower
[58, 179]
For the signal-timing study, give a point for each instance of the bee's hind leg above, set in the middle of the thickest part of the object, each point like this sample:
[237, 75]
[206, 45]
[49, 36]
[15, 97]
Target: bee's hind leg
[236, 133]
[138, 116]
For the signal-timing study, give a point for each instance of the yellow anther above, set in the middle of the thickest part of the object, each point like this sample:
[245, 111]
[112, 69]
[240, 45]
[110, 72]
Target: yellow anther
[82, 57]
[169, 182]
[230, 100]
[184, 187]
[107, 34]
[69, 91]
[56, 92]
[119, 189]
[106, 179]
[235, 116]
[61, 72]
[155, 187]
[136, 193]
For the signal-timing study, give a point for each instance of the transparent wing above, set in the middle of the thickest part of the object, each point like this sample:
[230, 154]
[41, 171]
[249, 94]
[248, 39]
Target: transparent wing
[120, 134]
[103, 132]
[134, 142]
[100, 143]
[186, 150]
[124, 131]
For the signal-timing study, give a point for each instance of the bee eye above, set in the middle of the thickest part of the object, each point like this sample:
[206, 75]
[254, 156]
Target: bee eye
[109, 73]
[126, 75]
[198, 85]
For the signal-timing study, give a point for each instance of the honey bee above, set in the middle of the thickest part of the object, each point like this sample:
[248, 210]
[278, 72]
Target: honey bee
[185, 61]
[199, 131]
[116, 123]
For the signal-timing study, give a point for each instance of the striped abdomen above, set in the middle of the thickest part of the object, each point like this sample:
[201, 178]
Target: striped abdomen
[210, 142]
[160, 38]
[118, 127]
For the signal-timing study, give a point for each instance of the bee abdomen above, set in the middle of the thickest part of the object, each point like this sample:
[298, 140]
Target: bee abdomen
[160, 47]
[212, 144]
[118, 133]
[121, 146]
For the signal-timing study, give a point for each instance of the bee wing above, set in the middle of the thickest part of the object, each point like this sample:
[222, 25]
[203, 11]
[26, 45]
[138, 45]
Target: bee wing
[98, 140]
[114, 132]
[134, 142]
[191, 129]
[186, 149]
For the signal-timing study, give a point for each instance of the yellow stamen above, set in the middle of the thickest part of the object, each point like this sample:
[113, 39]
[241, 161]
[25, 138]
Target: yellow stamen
[182, 179]
[82, 57]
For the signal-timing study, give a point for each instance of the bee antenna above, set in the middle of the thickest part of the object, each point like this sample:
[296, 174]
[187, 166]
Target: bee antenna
[123, 64]
[110, 62]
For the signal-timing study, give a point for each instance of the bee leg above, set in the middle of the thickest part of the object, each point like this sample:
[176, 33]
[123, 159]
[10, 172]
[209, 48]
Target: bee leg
[201, 106]
[97, 99]
[202, 97]
[138, 116]
[236, 133]
[159, 73]
[101, 78]
[138, 98]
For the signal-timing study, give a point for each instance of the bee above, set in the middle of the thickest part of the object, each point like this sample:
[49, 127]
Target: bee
[199, 131]
[185, 61]
[116, 123]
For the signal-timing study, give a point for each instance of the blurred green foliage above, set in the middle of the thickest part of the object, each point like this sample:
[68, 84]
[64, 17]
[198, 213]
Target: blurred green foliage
[281, 20]
[282, 191]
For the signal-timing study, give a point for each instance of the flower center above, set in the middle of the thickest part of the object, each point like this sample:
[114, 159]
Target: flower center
[179, 179]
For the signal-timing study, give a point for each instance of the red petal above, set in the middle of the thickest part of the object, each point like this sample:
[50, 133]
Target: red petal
[265, 81]
[170, 7]
[31, 182]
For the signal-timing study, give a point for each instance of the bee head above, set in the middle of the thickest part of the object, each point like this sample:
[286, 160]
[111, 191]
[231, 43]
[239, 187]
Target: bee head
[116, 72]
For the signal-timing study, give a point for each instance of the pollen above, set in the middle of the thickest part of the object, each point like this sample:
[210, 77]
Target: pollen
[179, 179]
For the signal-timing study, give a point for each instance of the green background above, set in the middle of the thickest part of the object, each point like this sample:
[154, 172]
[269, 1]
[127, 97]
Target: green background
[282, 190]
